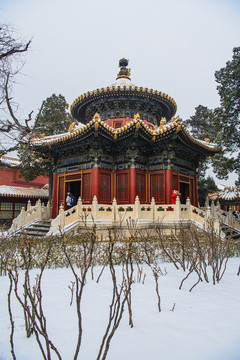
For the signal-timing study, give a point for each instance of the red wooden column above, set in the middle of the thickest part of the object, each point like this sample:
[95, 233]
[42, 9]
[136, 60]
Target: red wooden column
[132, 185]
[55, 195]
[95, 182]
[168, 185]
[195, 191]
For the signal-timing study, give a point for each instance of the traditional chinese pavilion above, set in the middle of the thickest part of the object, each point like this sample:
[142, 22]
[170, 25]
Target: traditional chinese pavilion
[126, 142]
[227, 196]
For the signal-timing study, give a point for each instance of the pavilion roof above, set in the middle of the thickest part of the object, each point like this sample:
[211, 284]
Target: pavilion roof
[136, 125]
[123, 87]
[9, 161]
[228, 194]
[23, 192]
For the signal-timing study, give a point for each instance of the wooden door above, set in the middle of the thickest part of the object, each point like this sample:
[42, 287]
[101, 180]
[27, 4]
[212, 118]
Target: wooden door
[157, 187]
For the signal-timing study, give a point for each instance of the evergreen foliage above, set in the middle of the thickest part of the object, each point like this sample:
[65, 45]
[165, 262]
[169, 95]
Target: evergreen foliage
[222, 125]
[205, 187]
[227, 116]
[201, 123]
[54, 118]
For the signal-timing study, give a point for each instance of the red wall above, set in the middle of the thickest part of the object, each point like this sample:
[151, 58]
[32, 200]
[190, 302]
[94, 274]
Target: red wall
[10, 177]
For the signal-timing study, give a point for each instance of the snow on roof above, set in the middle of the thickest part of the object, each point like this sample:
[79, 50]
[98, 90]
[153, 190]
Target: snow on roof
[122, 82]
[228, 193]
[9, 161]
[50, 138]
[208, 143]
[17, 191]
[73, 131]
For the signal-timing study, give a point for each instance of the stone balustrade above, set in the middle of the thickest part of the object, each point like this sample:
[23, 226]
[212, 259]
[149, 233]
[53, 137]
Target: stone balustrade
[118, 214]
[36, 212]
[107, 215]
[225, 217]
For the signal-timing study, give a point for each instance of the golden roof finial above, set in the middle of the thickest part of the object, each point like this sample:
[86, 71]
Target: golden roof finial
[124, 71]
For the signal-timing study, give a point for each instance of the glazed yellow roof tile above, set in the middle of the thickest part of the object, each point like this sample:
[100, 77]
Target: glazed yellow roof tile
[137, 123]
[124, 88]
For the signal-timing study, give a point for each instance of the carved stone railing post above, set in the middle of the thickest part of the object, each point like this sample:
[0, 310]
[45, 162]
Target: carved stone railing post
[62, 216]
[95, 208]
[43, 212]
[29, 205]
[208, 213]
[114, 204]
[177, 208]
[137, 208]
[79, 204]
[23, 217]
[188, 211]
[39, 209]
[153, 205]
[79, 208]
[49, 210]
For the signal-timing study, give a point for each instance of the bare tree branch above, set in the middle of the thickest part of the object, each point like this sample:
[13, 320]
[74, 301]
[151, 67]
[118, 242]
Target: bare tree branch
[15, 50]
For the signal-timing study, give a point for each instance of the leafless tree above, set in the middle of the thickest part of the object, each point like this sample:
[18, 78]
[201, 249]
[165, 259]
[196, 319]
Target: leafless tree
[12, 49]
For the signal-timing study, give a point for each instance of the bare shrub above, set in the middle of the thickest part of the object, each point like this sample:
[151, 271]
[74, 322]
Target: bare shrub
[198, 251]
[121, 293]
[31, 301]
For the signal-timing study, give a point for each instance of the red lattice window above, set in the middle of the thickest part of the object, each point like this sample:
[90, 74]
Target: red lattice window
[157, 187]
[86, 188]
[117, 124]
[175, 182]
[141, 187]
[105, 187]
[122, 187]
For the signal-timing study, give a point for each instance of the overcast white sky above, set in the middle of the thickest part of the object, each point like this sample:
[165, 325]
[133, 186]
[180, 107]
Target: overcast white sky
[173, 46]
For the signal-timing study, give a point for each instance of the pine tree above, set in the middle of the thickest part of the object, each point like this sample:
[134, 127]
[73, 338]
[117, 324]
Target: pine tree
[54, 118]
[201, 123]
[227, 116]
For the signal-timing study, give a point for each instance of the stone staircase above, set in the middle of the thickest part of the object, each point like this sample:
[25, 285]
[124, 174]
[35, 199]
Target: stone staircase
[230, 232]
[38, 228]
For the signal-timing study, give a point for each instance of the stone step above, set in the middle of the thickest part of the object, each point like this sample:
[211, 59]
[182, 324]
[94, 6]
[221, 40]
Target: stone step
[230, 232]
[38, 228]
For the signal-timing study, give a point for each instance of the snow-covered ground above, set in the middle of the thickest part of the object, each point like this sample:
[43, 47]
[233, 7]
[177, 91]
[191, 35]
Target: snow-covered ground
[204, 325]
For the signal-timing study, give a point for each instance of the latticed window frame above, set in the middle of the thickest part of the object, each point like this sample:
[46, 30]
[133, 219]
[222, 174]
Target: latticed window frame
[6, 206]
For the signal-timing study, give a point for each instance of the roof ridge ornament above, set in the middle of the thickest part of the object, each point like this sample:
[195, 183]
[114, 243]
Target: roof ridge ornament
[96, 117]
[124, 72]
[136, 117]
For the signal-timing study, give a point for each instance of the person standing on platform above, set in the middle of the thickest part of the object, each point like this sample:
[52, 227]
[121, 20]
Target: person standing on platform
[68, 200]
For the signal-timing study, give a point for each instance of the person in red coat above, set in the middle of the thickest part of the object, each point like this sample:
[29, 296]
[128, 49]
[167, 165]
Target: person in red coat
[174, 195]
